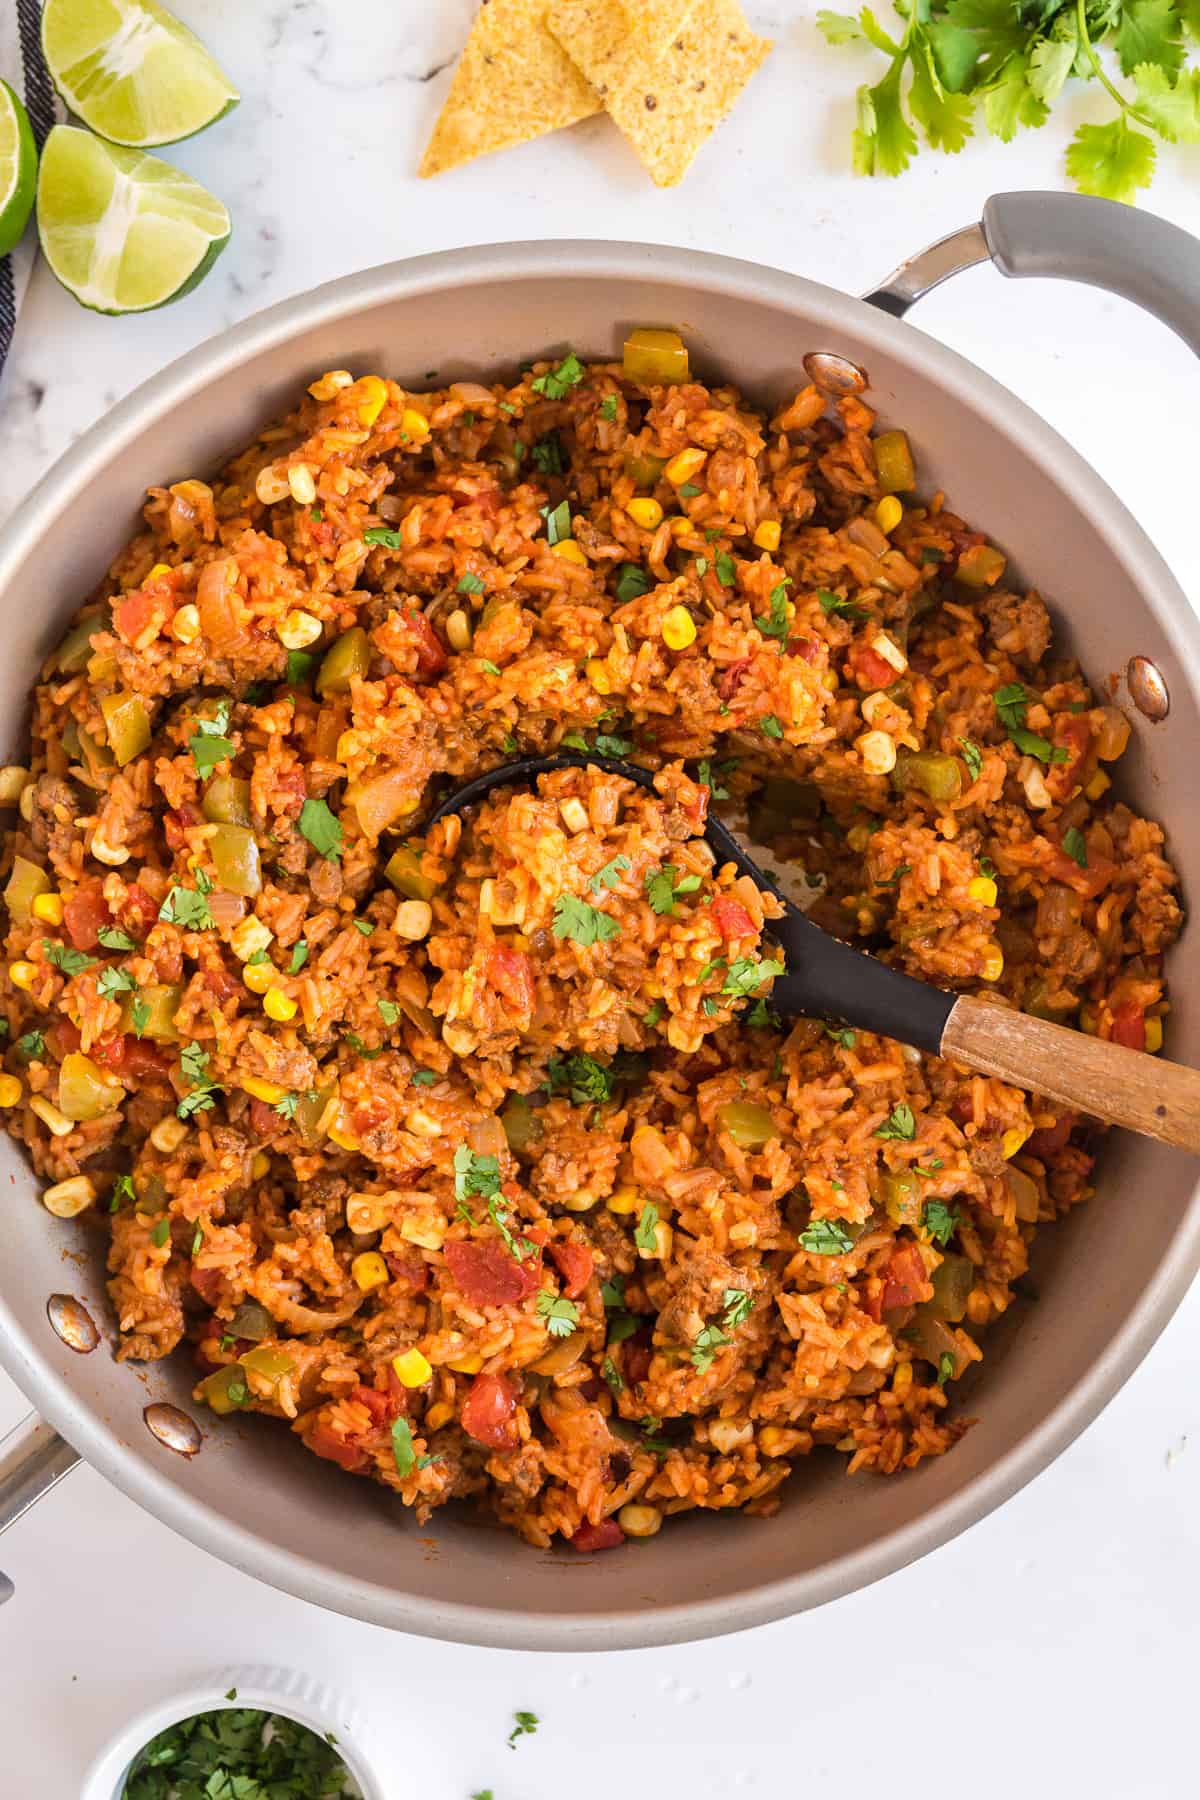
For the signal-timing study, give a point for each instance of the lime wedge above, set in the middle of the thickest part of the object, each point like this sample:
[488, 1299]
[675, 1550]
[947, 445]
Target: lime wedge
[123, 231]
[131, 71]
[18, 169]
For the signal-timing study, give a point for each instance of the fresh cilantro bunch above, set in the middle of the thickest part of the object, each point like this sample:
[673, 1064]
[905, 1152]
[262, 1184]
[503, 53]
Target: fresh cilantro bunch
[1013, 58]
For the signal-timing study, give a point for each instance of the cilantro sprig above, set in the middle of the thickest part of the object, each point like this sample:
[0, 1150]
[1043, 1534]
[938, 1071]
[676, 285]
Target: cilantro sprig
[1012, 59]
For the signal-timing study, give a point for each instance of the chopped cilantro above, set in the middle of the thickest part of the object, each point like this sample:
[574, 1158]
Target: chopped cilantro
[322, 829]
[726, 568]
[940, 1221]
[608, 745]
[947, 1364]
[612, 1292]
[769, 725]
[612, 1375]
[561, 1315]
[548, 454]
[899, 1123]
[71, 962]
[702, 566]
[161, 1232]
[299, 957]
[777, 622]
[208, 744]
[645, 1234]
[526, 1722]
[388, 1011]
[583, 924]
[632, 582]
[842, 1034]
[738, 1305]
[689, 491]
[1075, 845]
[972, 756]
[353, 1042]
[187, 908]
[287, 1107]
[657, 1010]
[608, 407]
[745, 975]
[489, 668]
[382, 534]
[469, 584]
[707, 1342]
[837, 604]
[364, 927]
[610, 875]
[31, 1045]
[112, 939]
[402, 1448]
[826, 1237]
[475, 1175]
[113, 982]
[663, 887]
[559, 381]
[122, 1189]
[423, 1077]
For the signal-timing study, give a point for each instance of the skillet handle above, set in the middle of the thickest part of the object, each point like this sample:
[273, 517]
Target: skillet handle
[1072, 238]
[33, 1459]
[1126, 1087]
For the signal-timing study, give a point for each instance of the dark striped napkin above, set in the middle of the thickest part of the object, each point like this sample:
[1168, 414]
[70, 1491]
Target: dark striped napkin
[22, 67]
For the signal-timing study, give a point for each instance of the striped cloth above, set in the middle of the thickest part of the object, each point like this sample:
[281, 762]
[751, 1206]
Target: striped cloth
[22, 66]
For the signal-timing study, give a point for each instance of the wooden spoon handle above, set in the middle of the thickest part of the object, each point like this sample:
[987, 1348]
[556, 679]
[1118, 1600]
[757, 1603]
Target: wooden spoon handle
[1126, 1087]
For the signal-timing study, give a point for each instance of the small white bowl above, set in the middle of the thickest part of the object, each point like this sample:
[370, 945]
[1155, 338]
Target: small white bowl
[283, 1691]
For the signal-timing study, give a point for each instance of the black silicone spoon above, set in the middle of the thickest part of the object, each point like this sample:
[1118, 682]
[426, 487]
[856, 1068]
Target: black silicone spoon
[827, 979]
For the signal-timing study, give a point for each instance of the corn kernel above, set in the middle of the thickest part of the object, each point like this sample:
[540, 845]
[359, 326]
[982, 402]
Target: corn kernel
[768, 534]
[726, 1435]
[678, 628]
[829, 681]
[300, 482]
[993, 963]
[341, 1138]
[646, 512]
[438, 1415]
[11, 1090]
[413, 424]
[597, 674]
[374, 394]
[468, 1365]
[568, 551]
[681, 468]
[168, 1134]
[22, 975]
[55, 1122]
[260, 1166]
[157, 570]
[413, 920]
[888, 513]
[772, 1441]
[185, 626]
[271, 485]
[1098, 785]
[412, 1368]
[249, 937]
[625, 1200]
[680, 527]
[1012, 1140]
[330, 383]
[638, 1521]
[298, 630]
[259, 977]
[369, 1271]
[48, 908]
[982, 889]
[574, 815]
[902, 1379]
[67, 1199]
[13, 779]
[878, 752]
[426, 1230]
[269, 1092]
[279, 1006]
[891, 652]
[1154, 1037]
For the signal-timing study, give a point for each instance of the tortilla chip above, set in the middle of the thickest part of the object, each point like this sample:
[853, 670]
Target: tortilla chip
[667, 106]
[612, 44]
[512, 83]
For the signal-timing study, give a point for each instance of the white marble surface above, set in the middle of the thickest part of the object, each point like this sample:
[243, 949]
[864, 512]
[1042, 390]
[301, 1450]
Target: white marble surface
[1052, 1649]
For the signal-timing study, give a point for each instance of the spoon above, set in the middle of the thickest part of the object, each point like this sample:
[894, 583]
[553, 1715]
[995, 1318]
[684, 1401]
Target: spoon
[827, 979]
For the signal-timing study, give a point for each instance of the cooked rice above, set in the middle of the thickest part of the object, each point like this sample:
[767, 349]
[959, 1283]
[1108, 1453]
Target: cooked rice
[652, 1244]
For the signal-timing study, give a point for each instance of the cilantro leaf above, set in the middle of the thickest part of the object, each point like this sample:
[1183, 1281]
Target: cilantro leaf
[561, 1315]
[947, 1365]
[940, 1221]
[884, 141]
[299, 957]
[663, 886]
[113, 982]
[402, 1448]
[726, 569]
[122, 1189]
[645, 1234]
[583, 924]
[738, 1305]
[208, 744]
[945, 118]
[388, 1011]
[1111, 161]
[71, 962]
[1149, 33]
[1173, 109]
[745, 975]
[112, 939]
[288, 1106]
[322, 829]
[839, 28]
[559, 381]
[32, 1045]
[475, 1175]
[707, 1342]
[632, 582]
[769, 725]
[1075, 845]
[469, 584]
[382, 534]
[548, 454]
[972, 755]
[526, 1725]
[608, 407]
[187, 908]
[900, 1123]
[837, 605]
[777, 621]
[826, 1237]
[610, 875]
[609, 745]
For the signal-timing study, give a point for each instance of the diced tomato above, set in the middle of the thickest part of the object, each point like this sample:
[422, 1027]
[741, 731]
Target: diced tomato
[1090, 881]
[592, 1388]
[488, 1275]
[872, 1297]
[1050, 1140]
[489, 1412]
[138, 911]
[177, 824]
[383, 1408]
[83, 915]
[808, 649]
[408, 1268]
[574, 1263]
[323, 1441]
[869, 669]
[369, 1116]
[144, 1062]
[140, 614]
[431, 654]
[110, 1052]
[904, 1279]
[731, 919]
[1074, 735]
[731, 680]
[62, 1038]
[636, 1353]
[605, 1536]
[221, 984]
[264, 1120]
[1129, 1027]
[207, 1283]
[291, 791]
[511, 974]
